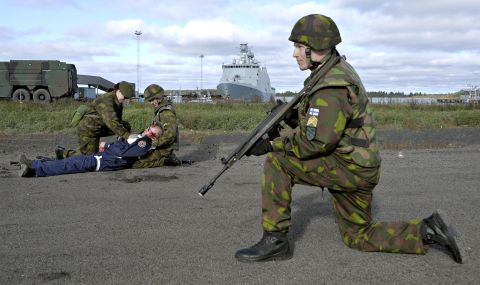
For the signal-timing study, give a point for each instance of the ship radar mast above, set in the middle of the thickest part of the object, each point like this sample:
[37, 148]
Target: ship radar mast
[246, 55]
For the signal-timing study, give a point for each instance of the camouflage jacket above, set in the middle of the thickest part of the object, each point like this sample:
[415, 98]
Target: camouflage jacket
[325, 112]
[165, 117]
[107, 110]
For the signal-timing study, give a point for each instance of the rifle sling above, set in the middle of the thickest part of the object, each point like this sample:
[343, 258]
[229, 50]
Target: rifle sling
[355, 123]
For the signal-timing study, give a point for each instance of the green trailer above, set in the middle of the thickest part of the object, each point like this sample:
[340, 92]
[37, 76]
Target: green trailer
[37, 80]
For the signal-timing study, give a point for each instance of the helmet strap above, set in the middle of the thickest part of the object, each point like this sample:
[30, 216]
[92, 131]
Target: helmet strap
[314, 64]
[308, 55]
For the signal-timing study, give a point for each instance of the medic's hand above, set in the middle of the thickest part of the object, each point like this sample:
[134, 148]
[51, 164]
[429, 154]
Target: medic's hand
[261, 147]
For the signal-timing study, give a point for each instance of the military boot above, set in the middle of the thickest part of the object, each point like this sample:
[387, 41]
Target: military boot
[437, 231]
[172, 160]
[26, 169]
[59, 152]
[272, 246]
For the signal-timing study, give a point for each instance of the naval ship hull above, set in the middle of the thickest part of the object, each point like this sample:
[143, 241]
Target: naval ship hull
[242, 92]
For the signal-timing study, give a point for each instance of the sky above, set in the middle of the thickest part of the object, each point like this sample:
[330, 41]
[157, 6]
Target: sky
[428, 46]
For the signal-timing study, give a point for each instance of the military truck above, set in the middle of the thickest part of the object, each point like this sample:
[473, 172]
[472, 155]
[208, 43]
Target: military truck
[37, 80]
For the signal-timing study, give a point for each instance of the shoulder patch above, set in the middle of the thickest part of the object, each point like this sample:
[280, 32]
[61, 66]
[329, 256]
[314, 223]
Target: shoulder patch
[311, 131]
[312, 121]
[313, 111]
[142, 144]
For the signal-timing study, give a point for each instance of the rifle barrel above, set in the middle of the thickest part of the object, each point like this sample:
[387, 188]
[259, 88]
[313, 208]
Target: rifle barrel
[207, 187]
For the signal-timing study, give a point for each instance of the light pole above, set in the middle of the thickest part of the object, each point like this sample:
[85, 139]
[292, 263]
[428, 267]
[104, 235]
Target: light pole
[138, 33]
[201, 73]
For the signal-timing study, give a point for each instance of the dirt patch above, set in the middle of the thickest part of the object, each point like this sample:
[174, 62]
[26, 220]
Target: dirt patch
[50, 276]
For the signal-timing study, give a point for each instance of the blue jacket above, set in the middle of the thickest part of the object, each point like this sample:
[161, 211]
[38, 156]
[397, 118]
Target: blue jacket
[120, 154]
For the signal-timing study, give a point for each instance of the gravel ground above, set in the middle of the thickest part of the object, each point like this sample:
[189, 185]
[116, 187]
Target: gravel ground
[150, 227]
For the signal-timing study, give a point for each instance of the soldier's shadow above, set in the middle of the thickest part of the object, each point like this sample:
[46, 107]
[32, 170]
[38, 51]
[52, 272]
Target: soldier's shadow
[312, 207]
[309, 208]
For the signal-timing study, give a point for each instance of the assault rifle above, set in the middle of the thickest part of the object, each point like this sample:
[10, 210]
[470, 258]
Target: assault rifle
[269, 125]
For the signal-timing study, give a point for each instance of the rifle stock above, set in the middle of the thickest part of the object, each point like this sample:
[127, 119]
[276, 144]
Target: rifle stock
[270, 122]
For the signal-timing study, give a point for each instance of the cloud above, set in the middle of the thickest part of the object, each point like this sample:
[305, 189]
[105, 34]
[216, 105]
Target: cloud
[393, 44]
[53, 50]
[123, 27]
[44, 3]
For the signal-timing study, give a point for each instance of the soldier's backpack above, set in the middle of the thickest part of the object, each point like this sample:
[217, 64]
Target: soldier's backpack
[78, 115]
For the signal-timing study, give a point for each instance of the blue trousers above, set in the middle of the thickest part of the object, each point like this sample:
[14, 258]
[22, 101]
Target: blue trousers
[73, 164]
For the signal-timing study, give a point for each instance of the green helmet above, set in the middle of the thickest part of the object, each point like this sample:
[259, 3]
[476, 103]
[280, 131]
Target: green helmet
[153, 91]
[126, 89]
[316, 31]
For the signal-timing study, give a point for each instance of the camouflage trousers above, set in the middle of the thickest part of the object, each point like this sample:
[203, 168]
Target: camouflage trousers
[155, 158]
[352, 199]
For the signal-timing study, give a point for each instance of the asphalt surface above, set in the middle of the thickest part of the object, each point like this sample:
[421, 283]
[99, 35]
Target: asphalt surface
[150, 226]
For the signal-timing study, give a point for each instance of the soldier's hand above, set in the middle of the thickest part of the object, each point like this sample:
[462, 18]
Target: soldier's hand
[291, 118]
[261, 147]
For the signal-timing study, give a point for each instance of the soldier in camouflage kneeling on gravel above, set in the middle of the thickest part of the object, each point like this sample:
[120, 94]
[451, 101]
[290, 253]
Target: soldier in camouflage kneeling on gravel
[333, 146]
[100, 118]
[164, 115]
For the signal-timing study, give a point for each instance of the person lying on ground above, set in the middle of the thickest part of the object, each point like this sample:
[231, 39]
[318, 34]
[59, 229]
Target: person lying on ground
[120, 154]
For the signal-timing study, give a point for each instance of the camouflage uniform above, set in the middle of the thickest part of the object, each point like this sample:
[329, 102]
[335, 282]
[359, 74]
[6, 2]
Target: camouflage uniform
[104, 118]
[324, 152]
[165, 117]
[334, 146]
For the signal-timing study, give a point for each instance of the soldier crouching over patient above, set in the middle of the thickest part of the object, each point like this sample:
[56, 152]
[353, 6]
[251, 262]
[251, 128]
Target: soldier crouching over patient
[164, 115]
[103, 117]
[100, 118]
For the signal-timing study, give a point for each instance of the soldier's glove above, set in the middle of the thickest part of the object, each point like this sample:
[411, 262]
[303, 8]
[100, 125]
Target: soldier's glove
[261, 147]
[274, 132]
[291, 118]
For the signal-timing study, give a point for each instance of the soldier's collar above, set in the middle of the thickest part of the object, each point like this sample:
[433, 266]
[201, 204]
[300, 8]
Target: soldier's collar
[318, 64]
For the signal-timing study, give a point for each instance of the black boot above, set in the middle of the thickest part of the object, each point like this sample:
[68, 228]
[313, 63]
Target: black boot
[272, 246]
[26, 169]
[172, 160]
[59, 152]
[437, 230]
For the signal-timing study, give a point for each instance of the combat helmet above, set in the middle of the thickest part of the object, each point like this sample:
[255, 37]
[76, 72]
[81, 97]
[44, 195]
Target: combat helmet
[126, 89]
[316, 31]
[153, 91]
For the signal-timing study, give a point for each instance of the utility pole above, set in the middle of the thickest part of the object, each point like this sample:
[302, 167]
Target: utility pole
[138, 33]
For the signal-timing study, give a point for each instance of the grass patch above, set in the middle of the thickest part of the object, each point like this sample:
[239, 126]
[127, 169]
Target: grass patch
[211, 118]
[417, 116]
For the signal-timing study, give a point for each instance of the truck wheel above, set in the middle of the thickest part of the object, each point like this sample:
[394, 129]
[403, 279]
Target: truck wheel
[21, 95]
[41, 96]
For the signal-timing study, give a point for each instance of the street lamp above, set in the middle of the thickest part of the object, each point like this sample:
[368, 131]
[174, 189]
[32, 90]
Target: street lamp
[201, 72]
[138, 33]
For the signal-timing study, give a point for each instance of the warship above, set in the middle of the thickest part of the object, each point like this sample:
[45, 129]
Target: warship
[245, 80]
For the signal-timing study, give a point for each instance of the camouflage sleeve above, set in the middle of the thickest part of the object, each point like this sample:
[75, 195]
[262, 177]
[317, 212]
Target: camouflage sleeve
[321, 125]
[169, 125]
[106, 110]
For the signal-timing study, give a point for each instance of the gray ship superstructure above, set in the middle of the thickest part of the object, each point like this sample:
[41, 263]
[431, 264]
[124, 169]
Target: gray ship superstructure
[245, 79]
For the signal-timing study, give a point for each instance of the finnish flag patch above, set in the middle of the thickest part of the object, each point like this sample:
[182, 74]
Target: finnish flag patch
[313, 111]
